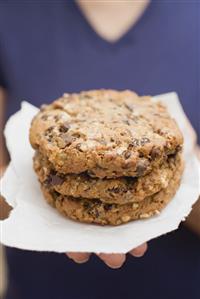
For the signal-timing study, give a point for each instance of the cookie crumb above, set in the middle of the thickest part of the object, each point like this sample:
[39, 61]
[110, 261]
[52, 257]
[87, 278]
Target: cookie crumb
[135, 205]
[145, 215]
[126, 218]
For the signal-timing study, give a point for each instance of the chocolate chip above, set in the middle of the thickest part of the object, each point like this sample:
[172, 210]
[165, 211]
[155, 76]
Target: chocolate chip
[49, 130]
[141, 154]
[127, 122]
[178, 148]
[155, 153]
[55, 194]
[82, 147]
[52, 172]
[49, 138]
[115, 190]
[86, 205]
[64, 127]
[141, 167]
[67, 139]
[53, 179]
[129, 106]
[108, 207]
[134, 143]
[171, 156]
[96, 212]
[78, 147]
[56, 180]
[93, 209]
[44, 117]
[90, 173]
[144, 140]
[47, 182]
[130, 180]
[127, 154]
[134, 118]
[74, 199]
[57, 118]
[76, 135]
[174, 152]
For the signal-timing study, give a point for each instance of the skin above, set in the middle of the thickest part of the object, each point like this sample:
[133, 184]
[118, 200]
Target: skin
[113, 261]
[110, 20]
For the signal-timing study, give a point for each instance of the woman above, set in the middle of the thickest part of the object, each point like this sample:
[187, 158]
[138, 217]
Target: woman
[47, 48]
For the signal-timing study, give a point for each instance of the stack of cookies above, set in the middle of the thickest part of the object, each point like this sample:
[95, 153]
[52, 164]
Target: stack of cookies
[107, 157]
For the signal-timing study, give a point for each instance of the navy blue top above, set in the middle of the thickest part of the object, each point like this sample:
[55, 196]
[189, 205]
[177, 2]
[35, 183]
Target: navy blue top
[47, 48]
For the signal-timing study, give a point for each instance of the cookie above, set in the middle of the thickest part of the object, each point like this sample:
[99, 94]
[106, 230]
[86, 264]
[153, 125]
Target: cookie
[105, 133]
[119, 190]
[95, 211]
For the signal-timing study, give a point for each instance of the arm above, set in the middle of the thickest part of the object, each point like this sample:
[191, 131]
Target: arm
[4, 153]
[4, 158]
[193, 220]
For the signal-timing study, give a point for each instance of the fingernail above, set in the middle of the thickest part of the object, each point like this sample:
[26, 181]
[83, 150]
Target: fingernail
[113, 267]
[81, 261]
[138, 254]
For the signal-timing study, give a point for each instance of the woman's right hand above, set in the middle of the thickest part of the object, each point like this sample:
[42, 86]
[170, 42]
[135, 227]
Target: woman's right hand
[113, 261]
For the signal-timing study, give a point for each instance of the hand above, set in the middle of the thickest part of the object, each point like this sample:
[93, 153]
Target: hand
[4, 207]
[113, 261]
[2, 170]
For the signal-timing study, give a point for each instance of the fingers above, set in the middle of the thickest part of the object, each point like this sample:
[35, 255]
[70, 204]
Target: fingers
[113, 261]
[79, 257]
[139, 251]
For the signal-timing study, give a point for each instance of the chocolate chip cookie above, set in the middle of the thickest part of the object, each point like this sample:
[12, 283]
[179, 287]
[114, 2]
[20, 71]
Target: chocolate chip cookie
[96, 211]
[118, 190]
[105, 133]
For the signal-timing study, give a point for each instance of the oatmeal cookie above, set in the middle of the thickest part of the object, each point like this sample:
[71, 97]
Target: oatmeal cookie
[117, 190]
[105, 133]
[96, 211]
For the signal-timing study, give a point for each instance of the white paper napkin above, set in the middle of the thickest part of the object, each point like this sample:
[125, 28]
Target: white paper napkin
[34, 225]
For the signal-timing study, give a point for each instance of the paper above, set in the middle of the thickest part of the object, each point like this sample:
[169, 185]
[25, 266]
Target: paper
[34, 225]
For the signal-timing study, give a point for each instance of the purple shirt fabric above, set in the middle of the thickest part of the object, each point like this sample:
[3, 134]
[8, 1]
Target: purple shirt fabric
[47, 48]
